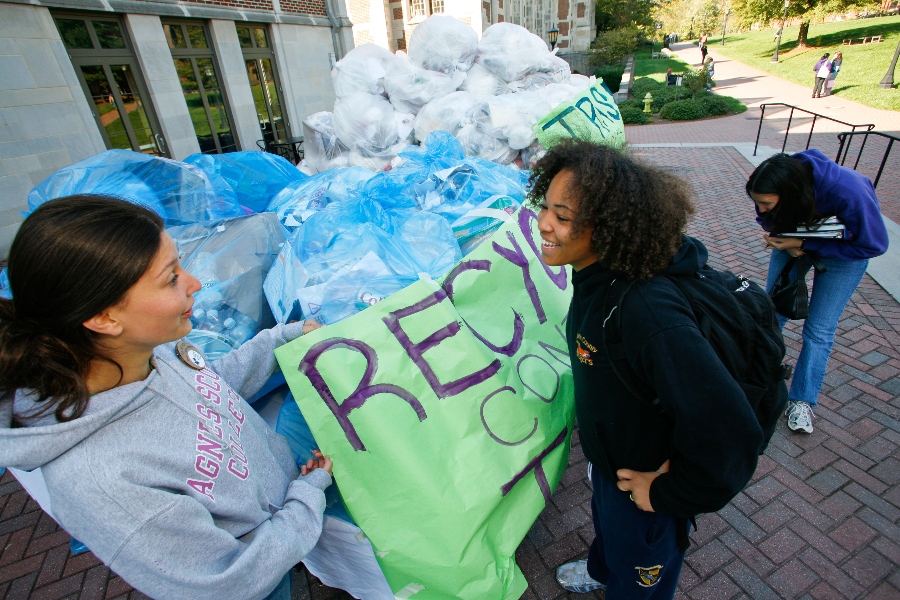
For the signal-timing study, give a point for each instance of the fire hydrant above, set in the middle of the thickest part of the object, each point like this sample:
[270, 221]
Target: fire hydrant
[648, 100]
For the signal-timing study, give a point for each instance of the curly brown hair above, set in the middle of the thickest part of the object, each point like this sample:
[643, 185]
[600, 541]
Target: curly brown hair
[636, 212]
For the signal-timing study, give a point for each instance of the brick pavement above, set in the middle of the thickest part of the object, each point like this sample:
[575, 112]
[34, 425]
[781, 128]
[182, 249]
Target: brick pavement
[821, 518]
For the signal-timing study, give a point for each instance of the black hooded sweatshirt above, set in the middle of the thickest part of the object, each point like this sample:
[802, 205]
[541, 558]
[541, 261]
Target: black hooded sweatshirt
[707, 427]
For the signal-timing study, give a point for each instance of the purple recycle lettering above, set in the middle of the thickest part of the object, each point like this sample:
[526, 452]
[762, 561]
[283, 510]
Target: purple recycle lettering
[536, 465]
[363, 391]
[554, 352]
[488, 429]
[548, 399]
[525, 218]
[518, 258]
[416, 351]
[518, 323]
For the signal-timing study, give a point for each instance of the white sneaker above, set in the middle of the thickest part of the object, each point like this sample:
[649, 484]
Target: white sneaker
[574, 577]
[799, 415]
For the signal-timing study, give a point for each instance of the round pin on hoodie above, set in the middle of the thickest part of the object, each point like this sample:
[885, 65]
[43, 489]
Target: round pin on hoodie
[190, 356]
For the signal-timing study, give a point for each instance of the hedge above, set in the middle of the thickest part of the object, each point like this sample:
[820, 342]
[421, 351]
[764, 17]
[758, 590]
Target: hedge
[714, 105]
[611, 75]
[683, 110]
[642, 85]
[632, 115]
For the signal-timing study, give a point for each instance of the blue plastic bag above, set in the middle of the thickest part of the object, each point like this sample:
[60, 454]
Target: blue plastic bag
[438, 177]
[178, 192]
[5, 290]
[256, 177]
[300, 200]
[397, 188]
[231, 258]
[353, 254]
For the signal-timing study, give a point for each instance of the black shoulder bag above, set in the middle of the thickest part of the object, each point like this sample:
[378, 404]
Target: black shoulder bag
[791, 298]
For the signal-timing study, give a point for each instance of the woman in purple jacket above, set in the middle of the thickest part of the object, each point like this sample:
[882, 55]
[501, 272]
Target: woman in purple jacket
[807, 188]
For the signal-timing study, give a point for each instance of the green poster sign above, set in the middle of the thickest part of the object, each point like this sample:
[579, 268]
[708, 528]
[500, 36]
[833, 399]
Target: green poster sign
[448, 410]
[592, 115]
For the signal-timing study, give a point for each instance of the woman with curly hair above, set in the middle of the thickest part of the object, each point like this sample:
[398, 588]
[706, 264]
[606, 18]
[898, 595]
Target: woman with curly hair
[611, 217]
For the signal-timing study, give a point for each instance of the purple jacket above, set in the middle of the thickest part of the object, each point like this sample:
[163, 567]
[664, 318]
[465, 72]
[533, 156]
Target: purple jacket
[849, 196]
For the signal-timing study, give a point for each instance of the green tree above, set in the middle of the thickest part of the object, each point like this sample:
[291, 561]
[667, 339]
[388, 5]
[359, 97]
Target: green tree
[624, 14]
[764, 12]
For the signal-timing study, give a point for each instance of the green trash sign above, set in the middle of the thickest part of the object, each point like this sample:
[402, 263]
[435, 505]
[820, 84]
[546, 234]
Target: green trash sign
[591, 115]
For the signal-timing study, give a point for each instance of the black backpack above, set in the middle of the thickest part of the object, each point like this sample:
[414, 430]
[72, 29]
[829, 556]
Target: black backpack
[738, 319]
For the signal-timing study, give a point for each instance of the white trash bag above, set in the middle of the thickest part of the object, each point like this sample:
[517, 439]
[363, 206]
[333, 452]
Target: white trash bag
[511, 52]
[409, 87]
[361, 70]
[481, 82]
[445, 44]
[446, 113]
[365, 121]
[322, 149]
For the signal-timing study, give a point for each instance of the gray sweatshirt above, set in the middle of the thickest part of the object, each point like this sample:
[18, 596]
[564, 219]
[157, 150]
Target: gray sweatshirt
[175, 482]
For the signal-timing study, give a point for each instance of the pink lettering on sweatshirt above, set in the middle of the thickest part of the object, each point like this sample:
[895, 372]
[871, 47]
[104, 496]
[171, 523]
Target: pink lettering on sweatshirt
[204, 487]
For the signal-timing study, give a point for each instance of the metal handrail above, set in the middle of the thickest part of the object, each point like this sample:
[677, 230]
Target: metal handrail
[845, 149]
[869, 127]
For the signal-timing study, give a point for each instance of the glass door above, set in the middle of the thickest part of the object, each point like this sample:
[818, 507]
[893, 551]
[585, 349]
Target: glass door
[198, 73]
[109, 74]
[260, 61]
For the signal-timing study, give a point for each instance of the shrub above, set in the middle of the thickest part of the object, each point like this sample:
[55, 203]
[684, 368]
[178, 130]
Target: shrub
[633, 116]
[642, 85]
[682, 110]
[714, 105]
[664, 95]
[611, 75]
[612, 47]
[635, 103]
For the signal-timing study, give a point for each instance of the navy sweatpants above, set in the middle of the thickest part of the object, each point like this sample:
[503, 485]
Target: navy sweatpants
[635, 553]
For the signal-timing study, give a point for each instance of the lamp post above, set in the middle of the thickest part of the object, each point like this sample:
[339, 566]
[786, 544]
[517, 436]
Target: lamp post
[553, 35]
[724, 24]
[888, 82]
[787, 3]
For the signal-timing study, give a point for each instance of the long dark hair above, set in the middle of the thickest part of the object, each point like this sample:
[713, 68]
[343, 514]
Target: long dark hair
[792, 179]
[72, 258]
[636, 212]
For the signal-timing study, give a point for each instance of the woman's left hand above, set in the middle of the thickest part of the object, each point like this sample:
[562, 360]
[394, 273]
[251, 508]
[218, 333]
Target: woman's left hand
[783, 243]
[637, 483]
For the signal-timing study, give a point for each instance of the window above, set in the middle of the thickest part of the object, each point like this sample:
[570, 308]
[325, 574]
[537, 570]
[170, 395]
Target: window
[416, 8]
[197, 71]
[437, 6]
[110, 77]
[260, 62]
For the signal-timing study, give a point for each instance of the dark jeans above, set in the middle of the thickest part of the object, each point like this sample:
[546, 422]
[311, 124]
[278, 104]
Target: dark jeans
[635, 553]
[819, 89]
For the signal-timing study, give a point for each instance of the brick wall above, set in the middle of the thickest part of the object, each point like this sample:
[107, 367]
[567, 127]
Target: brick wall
[308, 7]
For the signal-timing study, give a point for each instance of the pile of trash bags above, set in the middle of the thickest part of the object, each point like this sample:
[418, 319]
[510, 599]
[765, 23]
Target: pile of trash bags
[359, 236]
[489, 94]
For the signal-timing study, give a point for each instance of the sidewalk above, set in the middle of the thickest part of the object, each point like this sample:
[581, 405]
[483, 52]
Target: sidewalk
[821, 518]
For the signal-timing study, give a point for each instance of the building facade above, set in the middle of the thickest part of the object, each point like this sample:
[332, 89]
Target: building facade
[165, 77]
[389, 23]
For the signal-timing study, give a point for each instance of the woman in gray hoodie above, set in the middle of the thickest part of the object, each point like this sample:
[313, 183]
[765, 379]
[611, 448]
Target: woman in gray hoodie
[151, 456]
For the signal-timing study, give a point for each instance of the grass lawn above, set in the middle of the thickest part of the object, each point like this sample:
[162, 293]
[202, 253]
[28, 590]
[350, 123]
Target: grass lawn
[656, 68]
[864, 64]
